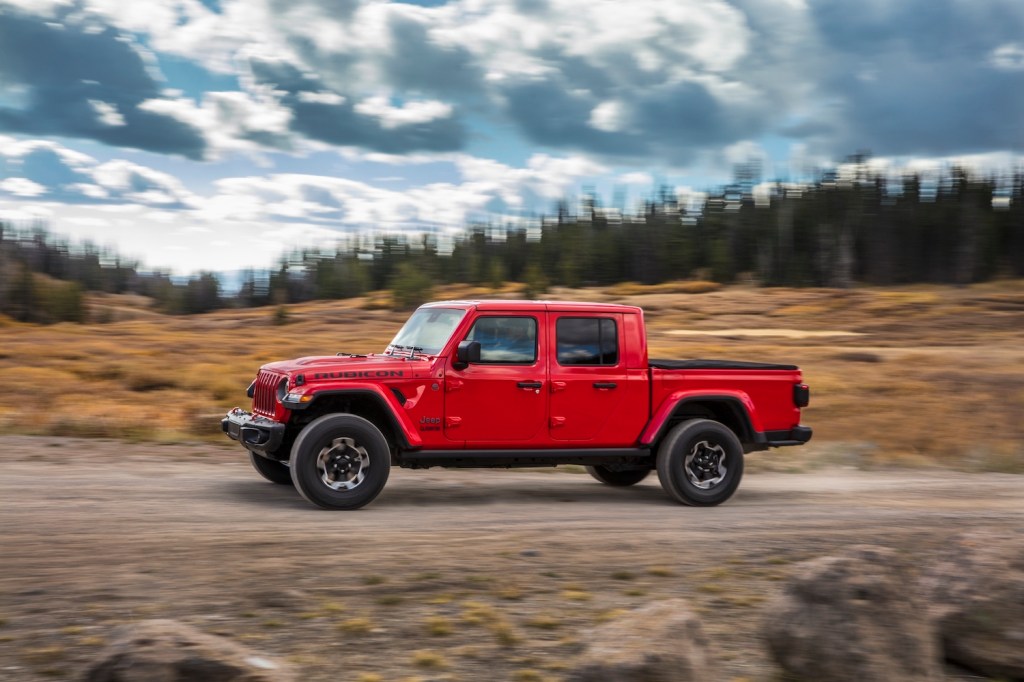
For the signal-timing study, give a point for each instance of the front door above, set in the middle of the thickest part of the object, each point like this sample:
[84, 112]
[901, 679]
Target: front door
[503, 399]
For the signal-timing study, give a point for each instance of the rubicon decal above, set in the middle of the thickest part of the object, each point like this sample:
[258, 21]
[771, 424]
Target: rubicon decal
[378, 374]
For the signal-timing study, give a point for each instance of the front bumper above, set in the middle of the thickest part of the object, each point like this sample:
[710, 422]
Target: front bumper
[259, 434]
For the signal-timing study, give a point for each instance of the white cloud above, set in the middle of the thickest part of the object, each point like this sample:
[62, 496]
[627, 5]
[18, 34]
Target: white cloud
[723, 69]
[439, 60]
[671, 37]
[187, 28]
[637, 178]
[22, 187]
[231, 121]
[544, 176]
[410, 113]
[330, 98]
[746, 151]
[43, 7]
[140, 184]
[608, 116]
[89, 190]
[981, 164]
[353, 205]
[14, 148]
[163, 217]
[107, 113]
[413, 159]
[1009, 57]
[21, 212]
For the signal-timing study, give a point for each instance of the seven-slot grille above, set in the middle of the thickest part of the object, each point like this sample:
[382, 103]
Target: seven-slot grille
[264, 400]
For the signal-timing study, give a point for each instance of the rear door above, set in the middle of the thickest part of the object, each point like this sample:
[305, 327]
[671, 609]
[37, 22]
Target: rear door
[594, 398]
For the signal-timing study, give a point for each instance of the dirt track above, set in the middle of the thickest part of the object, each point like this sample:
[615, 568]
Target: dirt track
[496, 575]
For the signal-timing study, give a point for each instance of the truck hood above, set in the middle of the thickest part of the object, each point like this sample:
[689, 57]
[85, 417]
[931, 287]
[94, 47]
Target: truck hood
[328, 367]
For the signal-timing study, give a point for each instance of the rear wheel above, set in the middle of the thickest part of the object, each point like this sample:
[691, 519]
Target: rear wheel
[619, 479]
[340, 461]
[700, 462]
[272, 470]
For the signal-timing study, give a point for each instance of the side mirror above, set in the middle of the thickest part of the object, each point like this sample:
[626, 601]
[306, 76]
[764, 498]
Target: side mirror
[467, 354]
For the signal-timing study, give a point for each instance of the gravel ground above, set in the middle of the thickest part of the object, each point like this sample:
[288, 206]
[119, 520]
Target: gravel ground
[448, 575]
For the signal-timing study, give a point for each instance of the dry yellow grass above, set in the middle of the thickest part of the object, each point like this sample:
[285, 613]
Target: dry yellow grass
[935, 376]
[677, 287]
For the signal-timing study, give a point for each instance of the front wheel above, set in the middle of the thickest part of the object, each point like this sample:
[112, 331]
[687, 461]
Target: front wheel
[340, 461]
[700, 462]
[619, 479]
[272, 470]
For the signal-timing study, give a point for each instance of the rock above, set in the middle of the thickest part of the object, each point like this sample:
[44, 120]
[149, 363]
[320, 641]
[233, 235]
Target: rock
[976, 592]
[856, 616]
[169, 651]
[662, 642]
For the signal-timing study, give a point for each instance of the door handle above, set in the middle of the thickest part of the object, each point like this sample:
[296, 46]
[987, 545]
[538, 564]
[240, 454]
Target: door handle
[605, 384]
[532, 385]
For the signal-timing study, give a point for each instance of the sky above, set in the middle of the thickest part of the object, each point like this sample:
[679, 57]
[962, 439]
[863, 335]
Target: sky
[218, 134]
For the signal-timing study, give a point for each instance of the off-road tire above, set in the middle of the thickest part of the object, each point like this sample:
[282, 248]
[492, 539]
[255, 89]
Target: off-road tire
[272, 470]
[690, 444]
[619, 479]
[340, 461]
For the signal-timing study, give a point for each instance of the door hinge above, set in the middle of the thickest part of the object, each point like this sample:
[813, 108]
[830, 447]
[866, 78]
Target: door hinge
[557, 421]
[452, 422]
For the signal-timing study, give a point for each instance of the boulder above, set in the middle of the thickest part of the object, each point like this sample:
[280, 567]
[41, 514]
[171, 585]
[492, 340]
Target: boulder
[855, 616]
[169, 651]
[976, 593]
[662, 642]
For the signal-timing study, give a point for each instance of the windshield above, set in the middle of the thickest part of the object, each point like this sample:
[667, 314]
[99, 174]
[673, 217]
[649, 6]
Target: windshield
[427, 331]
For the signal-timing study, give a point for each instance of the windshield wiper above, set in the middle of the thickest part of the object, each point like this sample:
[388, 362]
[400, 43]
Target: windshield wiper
[412, 350]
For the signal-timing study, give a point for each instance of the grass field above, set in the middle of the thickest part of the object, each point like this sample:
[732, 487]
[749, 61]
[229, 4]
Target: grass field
[911, 376]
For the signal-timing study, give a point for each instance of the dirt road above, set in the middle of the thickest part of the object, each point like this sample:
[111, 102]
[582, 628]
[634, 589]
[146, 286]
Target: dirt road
[461, 575]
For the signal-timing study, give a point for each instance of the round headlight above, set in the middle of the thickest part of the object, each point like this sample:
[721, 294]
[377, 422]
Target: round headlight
[282, 389]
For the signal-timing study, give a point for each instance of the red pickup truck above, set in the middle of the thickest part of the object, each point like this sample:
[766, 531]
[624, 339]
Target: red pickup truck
[516, 384]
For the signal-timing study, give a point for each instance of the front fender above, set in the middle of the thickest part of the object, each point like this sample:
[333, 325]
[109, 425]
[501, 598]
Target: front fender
[738, 400]
[388, 401]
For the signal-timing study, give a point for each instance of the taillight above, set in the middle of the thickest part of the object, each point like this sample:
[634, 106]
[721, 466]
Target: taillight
[801, 395]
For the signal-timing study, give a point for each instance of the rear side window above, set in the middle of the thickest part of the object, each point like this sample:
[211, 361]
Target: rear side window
[587, 341]
[506, 340]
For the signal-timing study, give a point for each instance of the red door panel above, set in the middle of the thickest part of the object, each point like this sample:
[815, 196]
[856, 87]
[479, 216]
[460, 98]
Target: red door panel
[501, 400]
[604, 405]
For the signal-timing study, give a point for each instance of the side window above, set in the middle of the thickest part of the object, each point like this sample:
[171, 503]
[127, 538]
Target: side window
[506, 340]
[587, 341]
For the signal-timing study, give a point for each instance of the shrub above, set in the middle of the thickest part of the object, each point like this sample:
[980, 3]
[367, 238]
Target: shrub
[410, 287]
[280, 317]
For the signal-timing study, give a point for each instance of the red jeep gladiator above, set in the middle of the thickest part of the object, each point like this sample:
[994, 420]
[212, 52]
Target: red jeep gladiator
[516, 384]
